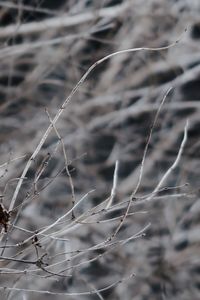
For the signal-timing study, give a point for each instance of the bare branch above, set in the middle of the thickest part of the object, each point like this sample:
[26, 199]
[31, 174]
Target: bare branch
[166, 175]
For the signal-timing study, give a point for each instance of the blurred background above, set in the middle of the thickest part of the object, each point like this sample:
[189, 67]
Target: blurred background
[46, 46]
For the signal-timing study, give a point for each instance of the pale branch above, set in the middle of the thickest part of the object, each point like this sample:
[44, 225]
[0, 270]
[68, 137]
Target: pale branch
[174, 165]
[66, 102]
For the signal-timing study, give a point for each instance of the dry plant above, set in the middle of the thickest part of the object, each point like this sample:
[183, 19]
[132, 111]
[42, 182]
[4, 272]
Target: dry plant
[102, 204]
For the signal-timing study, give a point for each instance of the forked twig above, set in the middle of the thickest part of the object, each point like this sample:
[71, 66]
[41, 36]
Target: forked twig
[148, 141]
[122, 220]
[174, 165]
[66, 102]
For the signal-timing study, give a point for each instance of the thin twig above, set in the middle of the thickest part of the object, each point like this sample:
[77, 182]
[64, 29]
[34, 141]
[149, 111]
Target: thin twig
[60, 218]
[166, 175]
[66, 163]
[122, 220]
[68, 294]
[148, 141]
[66, 102]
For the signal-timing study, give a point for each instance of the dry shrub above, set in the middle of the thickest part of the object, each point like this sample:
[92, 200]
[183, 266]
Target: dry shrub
[99, 190]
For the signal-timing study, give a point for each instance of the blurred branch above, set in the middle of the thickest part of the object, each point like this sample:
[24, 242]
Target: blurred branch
[63, 21]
